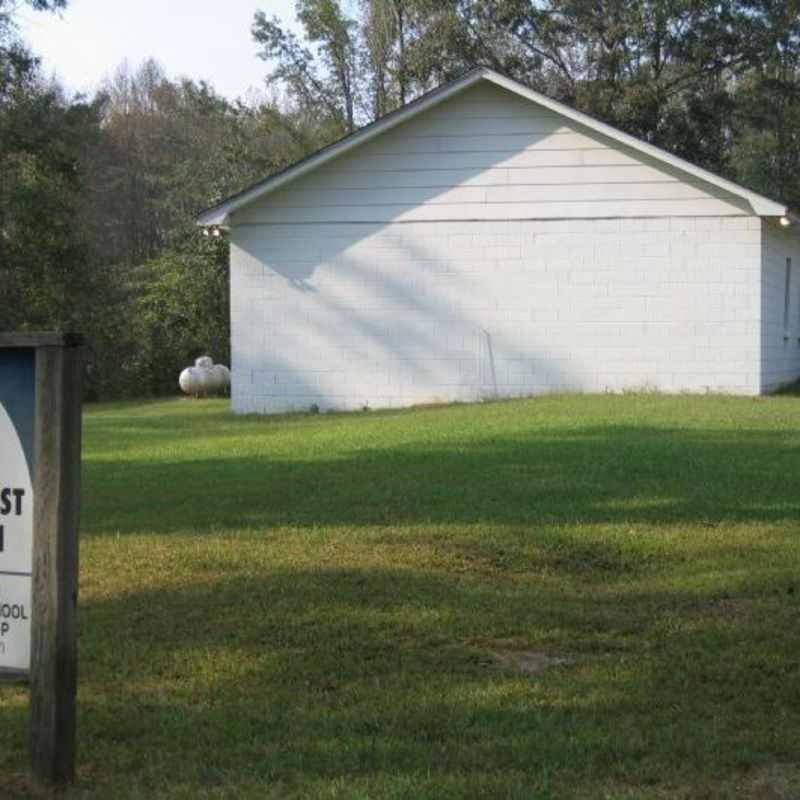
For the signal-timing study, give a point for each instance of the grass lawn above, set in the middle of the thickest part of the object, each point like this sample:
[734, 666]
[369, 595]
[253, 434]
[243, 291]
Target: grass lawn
[565, 597]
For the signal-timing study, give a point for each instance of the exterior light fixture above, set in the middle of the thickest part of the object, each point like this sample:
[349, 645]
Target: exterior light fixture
[213, 230]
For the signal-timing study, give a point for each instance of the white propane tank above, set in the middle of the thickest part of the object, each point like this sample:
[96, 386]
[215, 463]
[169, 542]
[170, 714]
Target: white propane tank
[204, 380]
[205, 377]
[222, 376]
[188, 381]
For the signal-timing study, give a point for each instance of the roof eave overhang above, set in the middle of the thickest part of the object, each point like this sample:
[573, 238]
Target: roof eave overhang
[213, 218]
[220, 215]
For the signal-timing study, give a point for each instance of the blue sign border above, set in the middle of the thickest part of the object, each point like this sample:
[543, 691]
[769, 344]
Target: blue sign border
[17, 390]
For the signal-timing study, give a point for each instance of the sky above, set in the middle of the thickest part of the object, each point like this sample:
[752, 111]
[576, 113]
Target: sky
[201, 39]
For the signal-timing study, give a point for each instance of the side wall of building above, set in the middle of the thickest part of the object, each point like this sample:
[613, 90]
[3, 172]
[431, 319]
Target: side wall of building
[347, 315]
[780, 306]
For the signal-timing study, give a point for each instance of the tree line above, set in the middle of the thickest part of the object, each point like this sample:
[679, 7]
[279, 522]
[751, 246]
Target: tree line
[98, 195]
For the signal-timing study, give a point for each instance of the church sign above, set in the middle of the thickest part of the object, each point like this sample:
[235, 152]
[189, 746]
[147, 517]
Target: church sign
[40, 464]
[16, 506]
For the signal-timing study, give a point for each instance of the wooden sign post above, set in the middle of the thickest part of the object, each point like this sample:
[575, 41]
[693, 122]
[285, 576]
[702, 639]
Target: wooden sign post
[40, 443]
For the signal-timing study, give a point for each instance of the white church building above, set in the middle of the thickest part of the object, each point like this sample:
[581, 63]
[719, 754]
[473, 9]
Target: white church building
[486, 241]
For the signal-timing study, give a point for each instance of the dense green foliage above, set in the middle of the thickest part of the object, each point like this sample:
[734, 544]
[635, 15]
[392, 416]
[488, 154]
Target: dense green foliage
[98, 195]
[717, 83]
[569, 597]
[97, 206]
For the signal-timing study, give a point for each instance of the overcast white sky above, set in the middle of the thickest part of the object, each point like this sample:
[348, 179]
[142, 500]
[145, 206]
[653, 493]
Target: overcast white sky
[202, 39]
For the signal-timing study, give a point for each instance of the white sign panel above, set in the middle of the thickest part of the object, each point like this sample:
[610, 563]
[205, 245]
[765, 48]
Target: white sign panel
[16, 509]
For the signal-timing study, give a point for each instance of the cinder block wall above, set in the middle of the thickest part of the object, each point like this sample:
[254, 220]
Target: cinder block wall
[346, 315]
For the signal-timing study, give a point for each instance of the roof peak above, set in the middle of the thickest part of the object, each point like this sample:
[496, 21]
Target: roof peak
[219, 215]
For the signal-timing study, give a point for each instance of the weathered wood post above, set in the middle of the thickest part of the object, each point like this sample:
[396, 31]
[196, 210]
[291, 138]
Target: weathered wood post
[41, 376]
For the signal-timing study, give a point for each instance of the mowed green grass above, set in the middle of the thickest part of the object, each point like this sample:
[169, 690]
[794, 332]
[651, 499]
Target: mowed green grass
[564, 597]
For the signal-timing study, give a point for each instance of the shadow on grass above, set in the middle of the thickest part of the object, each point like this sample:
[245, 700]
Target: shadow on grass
[593, 475]
[381, 679]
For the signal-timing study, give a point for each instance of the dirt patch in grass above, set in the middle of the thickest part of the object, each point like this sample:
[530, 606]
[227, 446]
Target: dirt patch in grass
[777, 781]
[526, 662]
[772, 782]
[722, 607]
[17, 786]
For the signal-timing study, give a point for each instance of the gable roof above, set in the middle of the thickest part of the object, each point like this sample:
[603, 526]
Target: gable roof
[219, 215]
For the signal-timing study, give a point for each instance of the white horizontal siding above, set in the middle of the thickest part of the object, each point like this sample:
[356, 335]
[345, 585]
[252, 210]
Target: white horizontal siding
[398, 143]
[486, 101]
[529, 121]
[488, 154]
[477, 161]
[517, 194]
[430, 212]
[496, 176]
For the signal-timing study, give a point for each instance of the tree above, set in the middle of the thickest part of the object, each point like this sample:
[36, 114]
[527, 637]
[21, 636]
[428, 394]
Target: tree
[327, 92]
[42, 135]
[167, 150]
[180, 311]
[766, 153]
[17, 64]
[98, 197]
